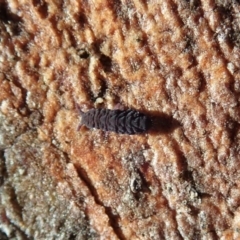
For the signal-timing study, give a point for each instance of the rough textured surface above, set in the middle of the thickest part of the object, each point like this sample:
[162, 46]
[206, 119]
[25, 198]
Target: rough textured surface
[177, 61]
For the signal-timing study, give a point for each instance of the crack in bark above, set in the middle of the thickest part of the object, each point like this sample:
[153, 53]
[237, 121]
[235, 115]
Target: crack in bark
[113, 219]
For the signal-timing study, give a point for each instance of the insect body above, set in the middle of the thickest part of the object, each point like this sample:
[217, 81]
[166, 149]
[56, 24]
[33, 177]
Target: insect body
[119, 121]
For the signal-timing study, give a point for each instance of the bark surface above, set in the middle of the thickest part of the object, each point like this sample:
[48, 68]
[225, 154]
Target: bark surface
[176, 61]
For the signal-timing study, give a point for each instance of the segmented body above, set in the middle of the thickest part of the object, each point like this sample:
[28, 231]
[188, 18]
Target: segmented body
[119, 121]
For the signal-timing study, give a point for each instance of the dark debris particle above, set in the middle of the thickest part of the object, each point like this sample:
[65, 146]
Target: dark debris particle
[106, 62]
[83, 54]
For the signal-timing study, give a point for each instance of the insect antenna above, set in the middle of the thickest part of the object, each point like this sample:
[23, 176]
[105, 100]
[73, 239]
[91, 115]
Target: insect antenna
[79, 109]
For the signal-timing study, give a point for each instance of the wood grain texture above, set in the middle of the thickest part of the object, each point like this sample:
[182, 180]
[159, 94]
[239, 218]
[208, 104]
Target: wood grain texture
[177, 61]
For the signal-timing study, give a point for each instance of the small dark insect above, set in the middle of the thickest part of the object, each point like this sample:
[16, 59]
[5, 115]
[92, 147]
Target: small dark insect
[119, 121]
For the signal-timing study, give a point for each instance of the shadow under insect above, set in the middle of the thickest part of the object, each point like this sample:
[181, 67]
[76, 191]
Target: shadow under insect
[127, 121]
[162, 123]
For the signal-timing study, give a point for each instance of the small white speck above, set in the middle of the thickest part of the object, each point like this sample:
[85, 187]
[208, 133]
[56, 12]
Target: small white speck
[231, 68]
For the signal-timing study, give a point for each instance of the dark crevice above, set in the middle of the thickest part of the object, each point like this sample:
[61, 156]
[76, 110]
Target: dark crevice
[186, 173]
[189, 44]
[82, 19]
[42, 8]
[116, 6]
[72, 39]
[3, 170]
[3, 236]
[113, 219]
[6, 16]
[140, 184]
[203, 83]
[103, 89]
[86, 232]
[54, 22]
[106, 62]
[9, 18]
[83, 53]
[233, 130]
[23, 109]
[22, 235]
[84, 81]
[18, 209]
[72, 236]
